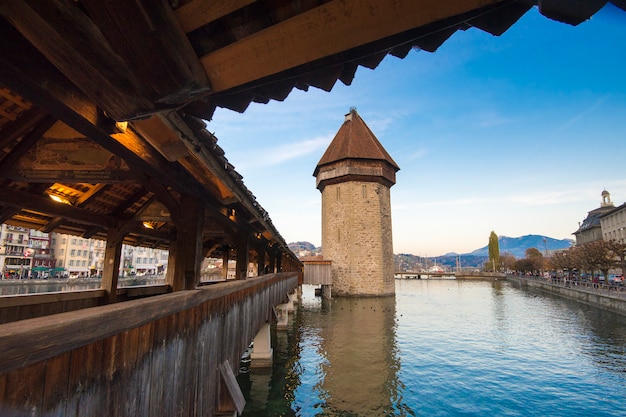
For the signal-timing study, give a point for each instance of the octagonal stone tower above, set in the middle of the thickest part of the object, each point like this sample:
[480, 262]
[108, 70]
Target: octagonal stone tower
[355, 176]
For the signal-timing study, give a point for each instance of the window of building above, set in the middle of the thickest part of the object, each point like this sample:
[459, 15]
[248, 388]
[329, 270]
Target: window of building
[73, 252]
[73, 241]
[71, 262]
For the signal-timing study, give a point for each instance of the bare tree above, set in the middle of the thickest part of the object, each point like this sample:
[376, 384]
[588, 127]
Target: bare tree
[619, 252]
[598, 255]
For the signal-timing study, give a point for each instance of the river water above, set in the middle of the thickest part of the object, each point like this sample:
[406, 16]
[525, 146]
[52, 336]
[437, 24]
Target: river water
[444, 348]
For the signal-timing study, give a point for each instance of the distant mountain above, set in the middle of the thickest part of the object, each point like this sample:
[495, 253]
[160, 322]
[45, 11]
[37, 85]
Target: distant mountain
[517, 246]
[301, 246]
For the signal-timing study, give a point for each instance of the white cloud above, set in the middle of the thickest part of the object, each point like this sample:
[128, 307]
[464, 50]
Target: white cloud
[270, 156]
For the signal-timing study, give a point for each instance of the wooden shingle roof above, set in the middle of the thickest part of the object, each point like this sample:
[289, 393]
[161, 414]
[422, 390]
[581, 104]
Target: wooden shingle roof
[355, 140]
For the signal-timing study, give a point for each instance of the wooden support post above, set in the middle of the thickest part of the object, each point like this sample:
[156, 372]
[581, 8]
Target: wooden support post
[260, 259]
[188, 245]
[279, 262]
[225, 263]
[272, 260]
[242, 256]
[171, 264]
[110, 271]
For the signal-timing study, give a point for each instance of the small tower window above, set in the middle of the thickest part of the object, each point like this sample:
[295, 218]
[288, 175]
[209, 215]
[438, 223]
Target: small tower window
[364, 190]
[338, 193]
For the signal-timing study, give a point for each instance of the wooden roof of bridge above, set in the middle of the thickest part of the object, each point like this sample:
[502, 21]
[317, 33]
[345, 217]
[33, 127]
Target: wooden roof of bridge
[101, 102]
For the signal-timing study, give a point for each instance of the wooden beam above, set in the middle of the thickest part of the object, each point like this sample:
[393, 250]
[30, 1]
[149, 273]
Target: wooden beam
[147, 36]
[68, 38]
[80, 114]
[32, 202]
[164, 197]
[329, 29]
[21, 126]
[25, 144]
[53, 224]
[96, 191]
[198, 13]
[136, 196]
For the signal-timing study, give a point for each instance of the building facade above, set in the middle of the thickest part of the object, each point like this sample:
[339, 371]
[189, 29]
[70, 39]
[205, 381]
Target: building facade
[590, 230]
[355, 176]
[613, 224]
[16, 255]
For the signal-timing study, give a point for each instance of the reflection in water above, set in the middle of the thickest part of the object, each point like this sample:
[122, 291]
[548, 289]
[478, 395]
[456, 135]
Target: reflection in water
[360, 371]
[447, 348]
[339, 358]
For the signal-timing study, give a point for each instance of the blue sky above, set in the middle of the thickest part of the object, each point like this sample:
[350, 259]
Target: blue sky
[518, 134]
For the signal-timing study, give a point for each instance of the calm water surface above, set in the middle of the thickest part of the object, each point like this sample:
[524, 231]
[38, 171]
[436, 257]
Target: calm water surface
[444, 348]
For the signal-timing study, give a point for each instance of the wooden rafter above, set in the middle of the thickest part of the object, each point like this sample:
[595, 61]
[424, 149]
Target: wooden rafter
[329, 29]
[21, 126]
[25, 144]
[200, 12]
[37, 203]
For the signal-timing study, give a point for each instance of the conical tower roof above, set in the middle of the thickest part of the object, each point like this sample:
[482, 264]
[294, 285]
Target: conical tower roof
[355, 154]
[355, 140]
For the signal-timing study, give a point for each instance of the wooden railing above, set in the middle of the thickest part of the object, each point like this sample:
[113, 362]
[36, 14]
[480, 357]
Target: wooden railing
[161, 355]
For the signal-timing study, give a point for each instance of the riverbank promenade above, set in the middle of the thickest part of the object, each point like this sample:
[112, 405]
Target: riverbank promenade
[609, 297]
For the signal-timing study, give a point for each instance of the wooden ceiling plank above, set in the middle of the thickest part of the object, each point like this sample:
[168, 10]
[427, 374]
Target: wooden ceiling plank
[136, 196]
[148, 38]
[6, 93]
[94, 192]
[329, 29]
[66, 36]
[200, 12]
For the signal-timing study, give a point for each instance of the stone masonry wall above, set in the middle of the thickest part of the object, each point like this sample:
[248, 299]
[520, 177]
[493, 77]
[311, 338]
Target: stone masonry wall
[356, 236]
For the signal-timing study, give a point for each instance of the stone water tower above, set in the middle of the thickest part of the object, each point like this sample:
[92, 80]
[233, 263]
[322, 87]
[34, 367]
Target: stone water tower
[355, 176]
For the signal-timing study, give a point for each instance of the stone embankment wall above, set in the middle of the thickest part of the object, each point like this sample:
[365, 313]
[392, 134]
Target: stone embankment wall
[608, 299]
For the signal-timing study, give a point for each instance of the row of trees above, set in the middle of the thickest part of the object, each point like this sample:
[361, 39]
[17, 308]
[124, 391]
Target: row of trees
[593, 256]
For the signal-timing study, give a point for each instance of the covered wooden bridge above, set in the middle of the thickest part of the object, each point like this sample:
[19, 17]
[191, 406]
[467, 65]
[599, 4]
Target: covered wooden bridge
[102, 134]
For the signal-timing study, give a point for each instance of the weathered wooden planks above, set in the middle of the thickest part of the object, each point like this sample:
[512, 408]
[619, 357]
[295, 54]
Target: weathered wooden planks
[140, 362]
